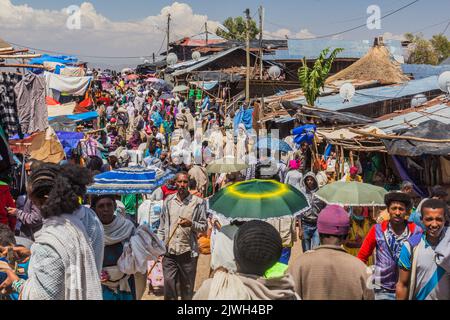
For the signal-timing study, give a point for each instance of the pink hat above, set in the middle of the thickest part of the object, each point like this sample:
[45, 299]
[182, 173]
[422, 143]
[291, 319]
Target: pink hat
[294, 164]
[353, 170]
[333, 220]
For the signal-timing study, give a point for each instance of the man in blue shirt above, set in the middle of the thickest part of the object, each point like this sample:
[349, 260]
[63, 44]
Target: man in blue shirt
[424, 259]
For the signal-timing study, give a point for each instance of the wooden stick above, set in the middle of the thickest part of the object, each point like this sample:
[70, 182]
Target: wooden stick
[167, 244]
[21, 65]
[19, 56]
[392, 137]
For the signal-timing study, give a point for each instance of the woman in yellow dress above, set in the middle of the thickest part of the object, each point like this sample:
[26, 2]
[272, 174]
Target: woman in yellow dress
[360, 227]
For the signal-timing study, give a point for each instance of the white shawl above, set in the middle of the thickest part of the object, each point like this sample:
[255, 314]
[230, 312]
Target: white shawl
[118, 231]
[67, 236]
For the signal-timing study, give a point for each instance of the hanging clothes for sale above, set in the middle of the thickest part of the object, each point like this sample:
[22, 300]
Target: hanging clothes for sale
[31, 104]
[9, 119]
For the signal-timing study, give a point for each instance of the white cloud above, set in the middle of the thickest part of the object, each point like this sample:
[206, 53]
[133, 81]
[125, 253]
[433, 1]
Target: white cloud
[282, 33]
[391, 36]
[98, 36]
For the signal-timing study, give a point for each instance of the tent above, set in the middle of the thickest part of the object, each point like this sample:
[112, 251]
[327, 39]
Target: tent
[432, 129]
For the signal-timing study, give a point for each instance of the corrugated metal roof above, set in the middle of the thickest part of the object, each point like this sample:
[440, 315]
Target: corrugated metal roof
[420, 71]
[440, 112]
[205, 62]
[372, 95]
[297, 49]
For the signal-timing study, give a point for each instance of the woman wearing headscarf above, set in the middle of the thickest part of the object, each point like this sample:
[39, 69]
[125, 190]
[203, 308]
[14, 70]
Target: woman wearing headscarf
[294, 176]
[127, 252]
[63, 264]
[156, 117]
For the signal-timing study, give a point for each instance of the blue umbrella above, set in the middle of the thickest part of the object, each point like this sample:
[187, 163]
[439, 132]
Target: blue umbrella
[277, 144]
[166, 96]
[132, 180]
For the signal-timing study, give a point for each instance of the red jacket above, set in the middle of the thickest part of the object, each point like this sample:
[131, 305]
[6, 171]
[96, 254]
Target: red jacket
[6, 200]
[370, 241]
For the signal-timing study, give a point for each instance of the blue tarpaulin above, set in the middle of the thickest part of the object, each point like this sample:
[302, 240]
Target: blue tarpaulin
[88, 116]
[304, 134]
[69, 140]
[245, 117]
[58, 59]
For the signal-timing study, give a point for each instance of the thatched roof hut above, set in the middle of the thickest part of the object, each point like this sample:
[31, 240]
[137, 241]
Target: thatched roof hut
[375, 65]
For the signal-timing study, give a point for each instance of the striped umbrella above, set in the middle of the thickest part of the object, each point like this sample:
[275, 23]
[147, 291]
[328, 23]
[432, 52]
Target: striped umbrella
[132, 180]
[258, 200]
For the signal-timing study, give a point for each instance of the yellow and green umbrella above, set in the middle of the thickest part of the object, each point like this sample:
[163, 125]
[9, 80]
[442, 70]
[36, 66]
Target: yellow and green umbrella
[258, 200]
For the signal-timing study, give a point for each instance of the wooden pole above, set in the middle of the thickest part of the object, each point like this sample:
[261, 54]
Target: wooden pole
[342, 162]
[247, 82]
[167, 244]
[261, 26]
[392, 137]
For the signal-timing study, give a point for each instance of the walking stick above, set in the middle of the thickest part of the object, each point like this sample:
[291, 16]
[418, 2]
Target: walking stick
[168, 242]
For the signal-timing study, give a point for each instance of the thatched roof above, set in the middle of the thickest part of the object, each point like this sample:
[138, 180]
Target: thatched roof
[4, 45]
[375, 65]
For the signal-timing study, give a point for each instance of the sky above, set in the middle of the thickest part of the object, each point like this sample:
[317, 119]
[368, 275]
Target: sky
[136, 28]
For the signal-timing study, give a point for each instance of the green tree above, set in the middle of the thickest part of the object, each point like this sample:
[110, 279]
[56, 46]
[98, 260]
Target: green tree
[441, 46]
[421, 50]
[237, 28]
[313, 79]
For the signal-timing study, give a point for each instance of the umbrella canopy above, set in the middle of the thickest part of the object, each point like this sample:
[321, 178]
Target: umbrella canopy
[181, 88]
[132, 180]
[273, 144]
[227, 165]
[126, 70]
[132, 77]
[352, 194]
[154, 80]
[166, 96]
[258, 200]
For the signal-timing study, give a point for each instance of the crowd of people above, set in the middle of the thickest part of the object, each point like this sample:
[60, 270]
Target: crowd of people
[67, 245]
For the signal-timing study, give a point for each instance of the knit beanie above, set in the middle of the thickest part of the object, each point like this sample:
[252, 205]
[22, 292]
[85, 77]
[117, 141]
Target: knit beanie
[333, 220]
[257, 247]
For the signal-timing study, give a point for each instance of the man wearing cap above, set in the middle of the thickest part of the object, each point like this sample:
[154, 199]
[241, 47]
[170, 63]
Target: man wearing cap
[329, 272]
[388, 238]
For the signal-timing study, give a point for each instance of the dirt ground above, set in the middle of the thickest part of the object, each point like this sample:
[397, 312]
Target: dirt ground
[203, 270]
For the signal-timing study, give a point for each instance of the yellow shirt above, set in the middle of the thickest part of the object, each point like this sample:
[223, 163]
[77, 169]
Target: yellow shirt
[357, 179]
[357, 230]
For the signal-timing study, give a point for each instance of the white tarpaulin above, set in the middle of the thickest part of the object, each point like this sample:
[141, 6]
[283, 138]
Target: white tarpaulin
[75, 86]
[61, 109]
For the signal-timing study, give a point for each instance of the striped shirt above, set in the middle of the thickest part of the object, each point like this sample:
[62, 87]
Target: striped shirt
[432, 281]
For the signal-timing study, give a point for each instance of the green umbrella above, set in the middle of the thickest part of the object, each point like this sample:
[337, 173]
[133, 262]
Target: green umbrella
[352, 194]
[227, 165]
[258, 200]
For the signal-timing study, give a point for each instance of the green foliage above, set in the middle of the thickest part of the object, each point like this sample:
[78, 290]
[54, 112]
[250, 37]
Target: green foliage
[441, 46]
[423, 51]
[313, 79]
[237, 29]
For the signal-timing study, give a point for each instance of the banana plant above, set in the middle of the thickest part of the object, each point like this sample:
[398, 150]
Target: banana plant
[313, 79]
